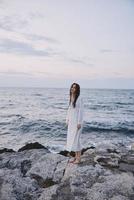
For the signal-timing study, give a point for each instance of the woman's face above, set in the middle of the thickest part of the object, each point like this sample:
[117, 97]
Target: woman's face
[73, 89]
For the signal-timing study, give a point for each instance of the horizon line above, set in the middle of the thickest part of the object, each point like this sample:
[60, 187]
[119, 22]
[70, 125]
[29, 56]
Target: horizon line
[30, 87]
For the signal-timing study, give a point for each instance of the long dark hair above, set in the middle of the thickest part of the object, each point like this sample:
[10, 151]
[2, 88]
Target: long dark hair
[77, 93]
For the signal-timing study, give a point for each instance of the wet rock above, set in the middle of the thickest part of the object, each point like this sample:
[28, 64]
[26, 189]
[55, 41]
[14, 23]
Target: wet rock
[72, 153]
[64, 153]
[34, 145]
[6, 150]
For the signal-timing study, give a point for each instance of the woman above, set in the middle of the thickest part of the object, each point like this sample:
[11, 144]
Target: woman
[74, 121]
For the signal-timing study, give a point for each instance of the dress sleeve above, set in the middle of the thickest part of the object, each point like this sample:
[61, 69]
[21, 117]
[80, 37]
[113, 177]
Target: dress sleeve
[80, 112]
[67, 114]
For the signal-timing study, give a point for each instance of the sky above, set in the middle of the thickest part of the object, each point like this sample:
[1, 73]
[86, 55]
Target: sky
[53, 43]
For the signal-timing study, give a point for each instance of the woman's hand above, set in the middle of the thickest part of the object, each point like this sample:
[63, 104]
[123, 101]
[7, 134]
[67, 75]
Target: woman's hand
[78, 126]
[67, 123]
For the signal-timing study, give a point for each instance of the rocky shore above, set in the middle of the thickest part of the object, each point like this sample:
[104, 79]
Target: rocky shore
[106, 172]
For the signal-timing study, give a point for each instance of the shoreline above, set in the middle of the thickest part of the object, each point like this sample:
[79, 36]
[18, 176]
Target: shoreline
[55, 147]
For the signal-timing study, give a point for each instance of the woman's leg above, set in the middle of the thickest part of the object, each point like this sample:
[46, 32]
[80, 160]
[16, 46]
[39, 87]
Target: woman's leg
[78, 154]
[75, 157]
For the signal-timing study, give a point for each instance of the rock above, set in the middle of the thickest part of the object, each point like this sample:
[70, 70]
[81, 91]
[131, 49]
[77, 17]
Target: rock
[25, 166]
[88, 157]
[86, 149]
[15, 160]
[6, 150]
[64, 153]
[126, 167]
[106, 161]
[119, 197]
[48, 193]
[94, 183]
[132, 146]
[126, 163]
[112, 150]
[72, 153]
[104, 147]
[34, 145]
[37, 174]
[15, 187]
[49, 169]
[112, 185]
[128, 158]
[63, 192]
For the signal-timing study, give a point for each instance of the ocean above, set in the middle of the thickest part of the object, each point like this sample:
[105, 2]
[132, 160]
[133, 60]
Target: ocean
[38, 115]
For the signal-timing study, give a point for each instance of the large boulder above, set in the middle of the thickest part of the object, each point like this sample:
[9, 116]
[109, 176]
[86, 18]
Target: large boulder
[105, 173]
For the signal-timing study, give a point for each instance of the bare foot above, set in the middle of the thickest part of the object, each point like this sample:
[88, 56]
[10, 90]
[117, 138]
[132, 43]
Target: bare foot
[71, 161]
[77, 161]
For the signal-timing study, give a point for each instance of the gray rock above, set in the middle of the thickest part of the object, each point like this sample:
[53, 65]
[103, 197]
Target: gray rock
[49, 169]
[126, 167]
[119, 197]
[115, 184]
[105, 173]
[15, 187]
[128, 158]
[49, 193]
[107, 161]
[132, 146]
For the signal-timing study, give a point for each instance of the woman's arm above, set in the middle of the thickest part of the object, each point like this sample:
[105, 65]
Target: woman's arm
[80, 113]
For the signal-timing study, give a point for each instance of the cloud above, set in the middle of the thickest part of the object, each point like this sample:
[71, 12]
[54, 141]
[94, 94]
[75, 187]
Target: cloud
[107, 51]
[35, 37]
[22, 48]
[15, 73]
[16, 20]
[15, 24]
[80, 61]
[11, 23]
[36, 15]
[1, 3]
[34, 74]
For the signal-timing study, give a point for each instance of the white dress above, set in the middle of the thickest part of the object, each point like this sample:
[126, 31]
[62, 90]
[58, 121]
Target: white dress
[74, 116]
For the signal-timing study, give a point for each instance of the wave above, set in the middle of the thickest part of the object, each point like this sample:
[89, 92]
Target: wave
[12, 115]
[37, 94]
[123, 103]
[20, 124]
[127, 128]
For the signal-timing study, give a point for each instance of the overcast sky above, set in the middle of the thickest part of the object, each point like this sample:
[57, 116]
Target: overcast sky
[52, 43]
